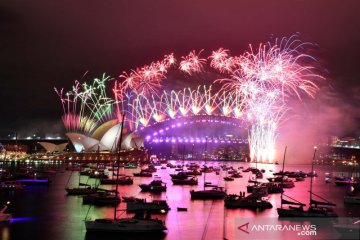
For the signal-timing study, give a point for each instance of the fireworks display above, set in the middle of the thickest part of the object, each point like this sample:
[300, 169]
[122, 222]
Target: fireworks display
[255, 87]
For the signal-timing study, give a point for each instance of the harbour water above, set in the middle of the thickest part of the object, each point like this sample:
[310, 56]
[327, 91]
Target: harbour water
[46, 212]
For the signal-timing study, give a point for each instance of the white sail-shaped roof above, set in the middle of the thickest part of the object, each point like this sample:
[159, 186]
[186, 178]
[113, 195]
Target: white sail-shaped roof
[82, 142]
[51, 147]
[111, 137]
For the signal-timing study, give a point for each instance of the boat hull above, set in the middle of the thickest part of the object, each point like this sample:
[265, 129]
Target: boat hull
[80, 191]
[352, 199]
[135, 207]
[125, 226]
[146, 188]
[298, 213]
[207, 194]
[184, 182]
[248, 205]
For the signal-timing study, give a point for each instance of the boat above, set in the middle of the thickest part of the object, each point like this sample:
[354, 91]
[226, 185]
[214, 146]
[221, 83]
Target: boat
[150, 168]
[259, 188]
[263, 188]
[143, 173]
[157, 185]
[137, 224]
[316, 208]
[352, 198]
[81, 190]
[142, 205]
[287, 184]
[273, 187]
[179, 175]
[349, 230]
[283, 181]
[130, 166]
[98, 175]
[344, 181]
[181, 209]
[214, 193]
[299, 179]
[187, 181]
[130, 199]
[5, 217]
[123, 180]
[102, 197]
[252, 201]
[232, 171]
[34, 181]
[259, 175]
[194, 173]
[228, 179]
[236, 175]
[11, 186]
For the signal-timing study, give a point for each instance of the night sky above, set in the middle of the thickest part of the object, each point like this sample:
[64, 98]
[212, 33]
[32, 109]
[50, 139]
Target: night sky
[51, 43]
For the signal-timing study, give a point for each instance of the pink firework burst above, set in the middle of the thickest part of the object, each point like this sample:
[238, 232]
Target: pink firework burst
[192, 63]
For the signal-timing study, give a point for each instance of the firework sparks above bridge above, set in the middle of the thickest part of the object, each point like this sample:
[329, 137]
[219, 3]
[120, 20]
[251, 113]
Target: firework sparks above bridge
[255, 87]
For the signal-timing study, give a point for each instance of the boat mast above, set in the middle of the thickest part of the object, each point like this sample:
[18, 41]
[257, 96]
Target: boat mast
[205, 160]
[118, 163]
[312, 173]
[282, 178]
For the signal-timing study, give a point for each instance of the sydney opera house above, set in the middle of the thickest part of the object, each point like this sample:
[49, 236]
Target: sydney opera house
[102, 144]
[106, 138]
